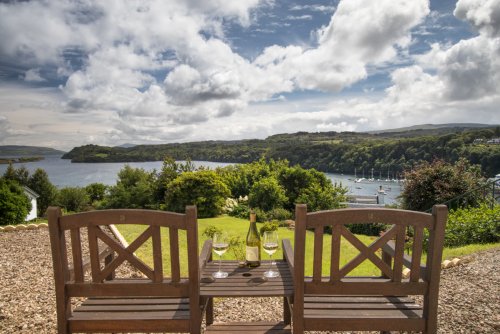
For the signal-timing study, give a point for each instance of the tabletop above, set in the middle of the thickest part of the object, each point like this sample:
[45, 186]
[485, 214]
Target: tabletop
[246, 282]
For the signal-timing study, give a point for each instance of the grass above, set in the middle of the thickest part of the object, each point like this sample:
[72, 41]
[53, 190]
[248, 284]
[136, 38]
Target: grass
[239, 227]
[450, 253]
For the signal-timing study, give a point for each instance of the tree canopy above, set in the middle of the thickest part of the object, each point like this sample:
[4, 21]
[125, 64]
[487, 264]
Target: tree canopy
[14, 204]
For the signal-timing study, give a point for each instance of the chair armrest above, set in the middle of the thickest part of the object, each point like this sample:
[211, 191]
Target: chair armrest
[206, 253]
[288, 254]
[390, 247]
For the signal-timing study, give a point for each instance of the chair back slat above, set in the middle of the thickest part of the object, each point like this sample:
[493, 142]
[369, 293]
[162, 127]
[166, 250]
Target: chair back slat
[94, 253]
[416, 254]
[318, 254]
[399, 253]
[174, 254]
[158, 258]
[335, 254]
[76, 249]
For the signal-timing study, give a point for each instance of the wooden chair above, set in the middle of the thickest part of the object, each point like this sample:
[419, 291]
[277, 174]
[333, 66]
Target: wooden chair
[151, 304]
[341, 302]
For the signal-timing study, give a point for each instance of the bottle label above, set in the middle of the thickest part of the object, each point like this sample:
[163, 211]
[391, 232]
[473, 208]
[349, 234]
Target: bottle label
[252, 253]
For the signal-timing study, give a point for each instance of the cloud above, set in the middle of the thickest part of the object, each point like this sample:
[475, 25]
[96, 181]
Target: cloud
[360, 33]
[33, 75]
[298, 18]
[4, 128]
[484, 15]
[166, 71]
[469, 69]
[314, 8]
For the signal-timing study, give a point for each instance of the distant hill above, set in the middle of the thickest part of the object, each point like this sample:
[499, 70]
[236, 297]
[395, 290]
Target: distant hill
[126, 145]
[17, 150]
[426, 127]
[340, 152]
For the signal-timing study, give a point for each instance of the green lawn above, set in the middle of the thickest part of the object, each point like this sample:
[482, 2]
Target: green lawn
[239, 227]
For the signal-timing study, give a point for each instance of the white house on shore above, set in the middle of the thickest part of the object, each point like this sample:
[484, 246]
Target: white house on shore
[32, 197]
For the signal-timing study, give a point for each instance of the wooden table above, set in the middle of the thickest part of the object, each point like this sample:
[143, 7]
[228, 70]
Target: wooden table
[247, 282]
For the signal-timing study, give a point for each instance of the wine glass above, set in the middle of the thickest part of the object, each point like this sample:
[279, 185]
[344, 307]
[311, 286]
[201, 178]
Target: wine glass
[270, 247]
[220, 245]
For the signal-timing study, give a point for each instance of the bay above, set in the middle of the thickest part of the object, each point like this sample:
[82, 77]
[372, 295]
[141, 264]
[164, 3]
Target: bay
[64, 173]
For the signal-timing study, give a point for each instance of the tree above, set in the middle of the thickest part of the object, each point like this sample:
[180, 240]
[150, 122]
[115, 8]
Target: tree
[10, 173]
[40, 183]
[438, 182]
[169, 171]
[96, 191]
[14, 205]
[294, 180]
[267, 194]
[134, 189]
[204, 189]
[20, 175]
[73, 199]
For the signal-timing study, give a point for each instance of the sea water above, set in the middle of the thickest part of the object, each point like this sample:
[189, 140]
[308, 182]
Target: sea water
[64, 173]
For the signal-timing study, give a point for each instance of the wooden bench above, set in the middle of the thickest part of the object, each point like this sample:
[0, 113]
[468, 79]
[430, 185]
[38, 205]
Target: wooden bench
[153, 303]
[341, 302]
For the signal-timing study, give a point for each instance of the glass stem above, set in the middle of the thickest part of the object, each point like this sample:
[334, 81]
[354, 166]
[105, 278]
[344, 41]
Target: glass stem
[270, 263]
[220, 261]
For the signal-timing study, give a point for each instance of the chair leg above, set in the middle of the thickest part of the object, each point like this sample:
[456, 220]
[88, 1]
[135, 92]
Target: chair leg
[210, 311]
[287, 316]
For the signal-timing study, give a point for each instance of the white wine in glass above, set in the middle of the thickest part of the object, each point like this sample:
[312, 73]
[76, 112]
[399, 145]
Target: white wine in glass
[220, 245]
[270, 246]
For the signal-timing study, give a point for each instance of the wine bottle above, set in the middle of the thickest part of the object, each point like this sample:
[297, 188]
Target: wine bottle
[252, 244]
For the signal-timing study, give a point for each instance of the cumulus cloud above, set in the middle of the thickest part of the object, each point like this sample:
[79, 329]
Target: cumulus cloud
[484, 15]
[360, 33]
[33, 75]
[165, 71]
[467, 70]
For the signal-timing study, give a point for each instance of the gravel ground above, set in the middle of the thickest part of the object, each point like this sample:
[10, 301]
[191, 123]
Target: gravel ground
[469, 293]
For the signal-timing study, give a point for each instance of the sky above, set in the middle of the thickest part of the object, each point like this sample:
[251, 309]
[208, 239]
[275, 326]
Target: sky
[147, 72]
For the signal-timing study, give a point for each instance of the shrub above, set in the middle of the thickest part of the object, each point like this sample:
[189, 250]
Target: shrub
[367, 229]
[96, 191]
[204, 189]
[473, 226]
[231, 203]
[241, 211]
[237, 247]
[73, 199]
[279, 214]
[267, 194]
[133, 190]
[260, 215]
[429, 184]
[269, 226]
[210, 231]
